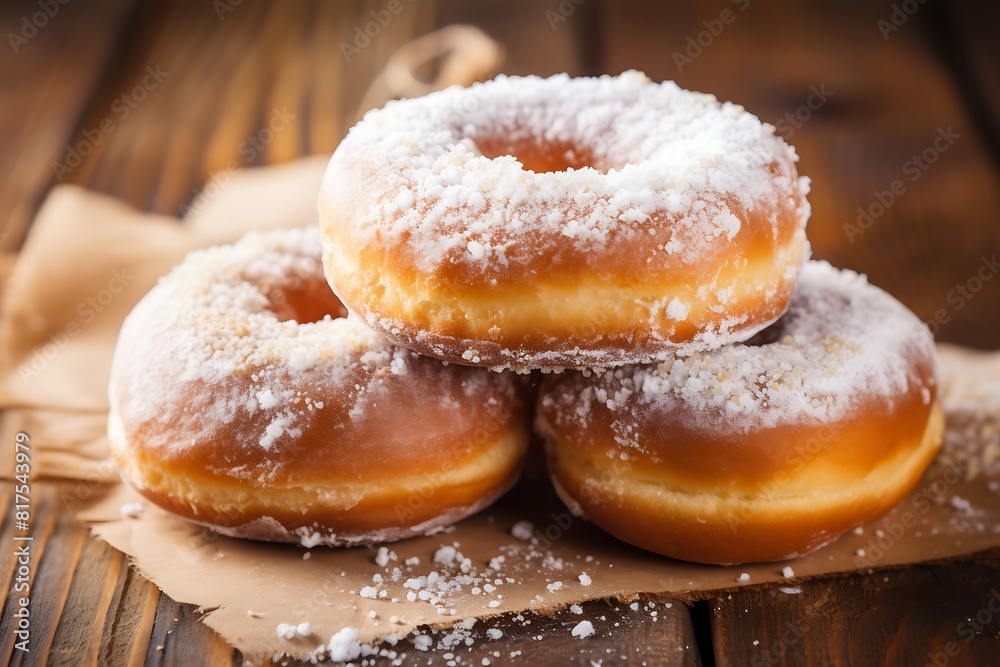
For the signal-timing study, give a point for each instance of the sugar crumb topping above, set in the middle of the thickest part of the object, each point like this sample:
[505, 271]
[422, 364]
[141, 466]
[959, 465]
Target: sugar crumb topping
[841, 340]
[415, 172]
[214, 322]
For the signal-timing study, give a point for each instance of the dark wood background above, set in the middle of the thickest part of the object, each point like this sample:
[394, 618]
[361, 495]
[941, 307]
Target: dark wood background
[889, 89]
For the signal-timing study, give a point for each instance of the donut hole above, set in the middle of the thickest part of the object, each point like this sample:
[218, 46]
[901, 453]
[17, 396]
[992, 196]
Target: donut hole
[305, 300]
[768, 336]
[790, 321]
[541, 157]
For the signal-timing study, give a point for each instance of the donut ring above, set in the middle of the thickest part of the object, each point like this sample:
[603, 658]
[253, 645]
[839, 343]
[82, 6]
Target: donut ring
[634, 220]
[755, 452]
[239, 403]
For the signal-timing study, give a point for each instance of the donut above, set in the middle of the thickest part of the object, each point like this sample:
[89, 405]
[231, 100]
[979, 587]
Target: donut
[756, 452]
[564, 222]
[243, 399]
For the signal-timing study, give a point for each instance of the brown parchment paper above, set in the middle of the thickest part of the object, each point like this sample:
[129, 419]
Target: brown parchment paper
[89, 259]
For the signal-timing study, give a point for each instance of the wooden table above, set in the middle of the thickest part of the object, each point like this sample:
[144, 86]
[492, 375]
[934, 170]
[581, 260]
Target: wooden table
[858, 87]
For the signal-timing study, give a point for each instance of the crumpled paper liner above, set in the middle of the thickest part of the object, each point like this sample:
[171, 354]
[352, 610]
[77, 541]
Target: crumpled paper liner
[80, 239]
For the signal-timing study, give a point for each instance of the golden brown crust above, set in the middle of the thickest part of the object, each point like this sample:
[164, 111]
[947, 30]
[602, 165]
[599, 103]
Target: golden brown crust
[566, 223]
[304, 503]
[608, 318]
[755, 452]
[237, 404]
[709, 509]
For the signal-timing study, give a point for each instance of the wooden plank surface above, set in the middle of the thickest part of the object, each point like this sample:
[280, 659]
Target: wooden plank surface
[128, 623]
[51, 66]
[654, 634]
[261, 84]
[939, 615]
[880, 99]
[185, 90]
[967, 42]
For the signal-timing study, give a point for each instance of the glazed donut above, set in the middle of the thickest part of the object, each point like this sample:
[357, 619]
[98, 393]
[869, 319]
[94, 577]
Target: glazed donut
[548, 223]
[242, 399]
[755, 452]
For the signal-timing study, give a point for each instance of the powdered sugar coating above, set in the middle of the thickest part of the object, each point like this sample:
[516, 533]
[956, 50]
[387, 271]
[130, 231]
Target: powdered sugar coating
[564, 222]
[212, 321]
[653, 147]
[229, 410]
[843, 342]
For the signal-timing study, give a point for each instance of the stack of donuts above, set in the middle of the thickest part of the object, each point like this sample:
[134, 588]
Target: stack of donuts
[637, 250]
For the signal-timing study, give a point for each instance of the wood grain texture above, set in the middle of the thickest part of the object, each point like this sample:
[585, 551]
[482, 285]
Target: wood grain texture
[538, 37]
[657, 635]
[7, 564]
[178, 638]
[267, 82]
[261, 84]
[128, 624]
[968, 41]
[77, 636]
[942, 615]
[879, 101]
[45, 83]
[55, 550]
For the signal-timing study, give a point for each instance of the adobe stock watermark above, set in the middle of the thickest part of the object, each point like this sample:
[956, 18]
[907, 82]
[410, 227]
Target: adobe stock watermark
[366, 32]
[901, 13]
[31, 24]
[774, 653]
[794, 120]
[23, 554]
[892, 530]
[913, 169]
[251, 147]
[548, 535]
[414, 507]
[561, 14]
[960, 295]
[86, 312]
[412, 510]
[80, 494]
[798, 457]
[698, 43]
[967, 630]
[224, 7]
[121, 108]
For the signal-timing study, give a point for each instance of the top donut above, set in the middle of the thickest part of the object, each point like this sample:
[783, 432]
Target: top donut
[564, 222]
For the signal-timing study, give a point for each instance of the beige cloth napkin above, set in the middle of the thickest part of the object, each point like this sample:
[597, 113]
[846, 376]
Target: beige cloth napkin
[84, 265]
[89, 259]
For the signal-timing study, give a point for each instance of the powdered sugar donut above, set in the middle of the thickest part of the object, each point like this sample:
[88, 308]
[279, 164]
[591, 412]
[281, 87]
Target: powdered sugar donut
[760, 451]
[548, 223]
[241, 398]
